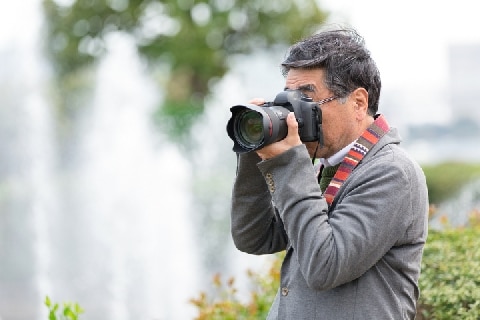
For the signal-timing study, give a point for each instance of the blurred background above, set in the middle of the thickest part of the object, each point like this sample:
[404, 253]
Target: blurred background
[115, 167]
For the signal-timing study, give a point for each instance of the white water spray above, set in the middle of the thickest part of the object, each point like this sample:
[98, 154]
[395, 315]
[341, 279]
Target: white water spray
[108, 228]
[135, 199]
[29, 196]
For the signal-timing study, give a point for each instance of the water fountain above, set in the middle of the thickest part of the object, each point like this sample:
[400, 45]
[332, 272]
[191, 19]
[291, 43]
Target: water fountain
[110, 228]
[111, 225]
[130, 201]
[27, 141]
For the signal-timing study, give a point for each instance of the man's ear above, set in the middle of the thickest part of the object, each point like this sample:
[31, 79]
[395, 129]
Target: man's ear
[360, 99]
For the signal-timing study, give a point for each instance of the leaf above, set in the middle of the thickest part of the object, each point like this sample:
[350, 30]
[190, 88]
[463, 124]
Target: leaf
[66, 310]
[78, 309]
[48, 303]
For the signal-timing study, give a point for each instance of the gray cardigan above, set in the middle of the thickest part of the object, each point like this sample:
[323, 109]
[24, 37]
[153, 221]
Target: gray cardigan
[358, 259]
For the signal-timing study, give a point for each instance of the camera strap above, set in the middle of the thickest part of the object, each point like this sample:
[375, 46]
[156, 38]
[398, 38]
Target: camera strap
[361, 147]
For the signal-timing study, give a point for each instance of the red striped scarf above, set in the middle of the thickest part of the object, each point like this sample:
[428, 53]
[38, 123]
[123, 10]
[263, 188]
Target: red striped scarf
[361, 147]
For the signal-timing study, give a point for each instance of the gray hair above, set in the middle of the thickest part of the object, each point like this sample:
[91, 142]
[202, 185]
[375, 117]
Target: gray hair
[347, 63]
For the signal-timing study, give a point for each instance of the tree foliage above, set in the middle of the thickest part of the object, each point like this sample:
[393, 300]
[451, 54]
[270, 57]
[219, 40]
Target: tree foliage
[193, 38]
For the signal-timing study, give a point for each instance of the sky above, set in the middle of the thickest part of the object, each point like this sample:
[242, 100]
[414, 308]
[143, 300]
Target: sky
[409, 38]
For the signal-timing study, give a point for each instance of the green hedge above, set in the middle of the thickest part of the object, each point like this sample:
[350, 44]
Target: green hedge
[449, 283]
[450, 280]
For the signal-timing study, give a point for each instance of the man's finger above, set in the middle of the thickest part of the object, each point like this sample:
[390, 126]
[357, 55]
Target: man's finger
[257, 101]
[292, 122]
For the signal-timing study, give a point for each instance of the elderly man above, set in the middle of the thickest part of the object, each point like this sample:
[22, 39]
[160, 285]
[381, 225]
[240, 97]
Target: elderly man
[354, 226]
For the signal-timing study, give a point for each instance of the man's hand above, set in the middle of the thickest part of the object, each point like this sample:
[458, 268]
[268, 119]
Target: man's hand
[291, 140]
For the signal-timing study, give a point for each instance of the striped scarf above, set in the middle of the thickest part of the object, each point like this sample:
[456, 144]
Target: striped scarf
[361, 147]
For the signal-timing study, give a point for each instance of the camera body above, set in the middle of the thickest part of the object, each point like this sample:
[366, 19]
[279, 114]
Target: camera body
[252, 127]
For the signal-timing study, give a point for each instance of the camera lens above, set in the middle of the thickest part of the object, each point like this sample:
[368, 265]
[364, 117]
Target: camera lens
[250, 128]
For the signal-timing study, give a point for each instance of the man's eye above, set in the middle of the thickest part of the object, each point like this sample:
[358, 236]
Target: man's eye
[306, 94]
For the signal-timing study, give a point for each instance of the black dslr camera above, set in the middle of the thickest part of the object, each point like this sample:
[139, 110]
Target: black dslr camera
[252, 127]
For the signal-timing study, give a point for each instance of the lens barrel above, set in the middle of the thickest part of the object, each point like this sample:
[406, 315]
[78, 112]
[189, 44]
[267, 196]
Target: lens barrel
[252, 127]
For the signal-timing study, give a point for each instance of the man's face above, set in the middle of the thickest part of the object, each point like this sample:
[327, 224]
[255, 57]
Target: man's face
[338, 119]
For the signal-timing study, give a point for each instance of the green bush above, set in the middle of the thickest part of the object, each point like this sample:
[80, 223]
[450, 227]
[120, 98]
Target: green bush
[450, 280]
[225, 304]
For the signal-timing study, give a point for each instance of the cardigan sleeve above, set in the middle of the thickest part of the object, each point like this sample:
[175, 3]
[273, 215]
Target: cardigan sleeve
[255, 225]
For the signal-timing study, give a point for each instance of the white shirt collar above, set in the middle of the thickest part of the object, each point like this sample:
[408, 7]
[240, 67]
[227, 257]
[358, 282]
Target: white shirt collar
[337, 157]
